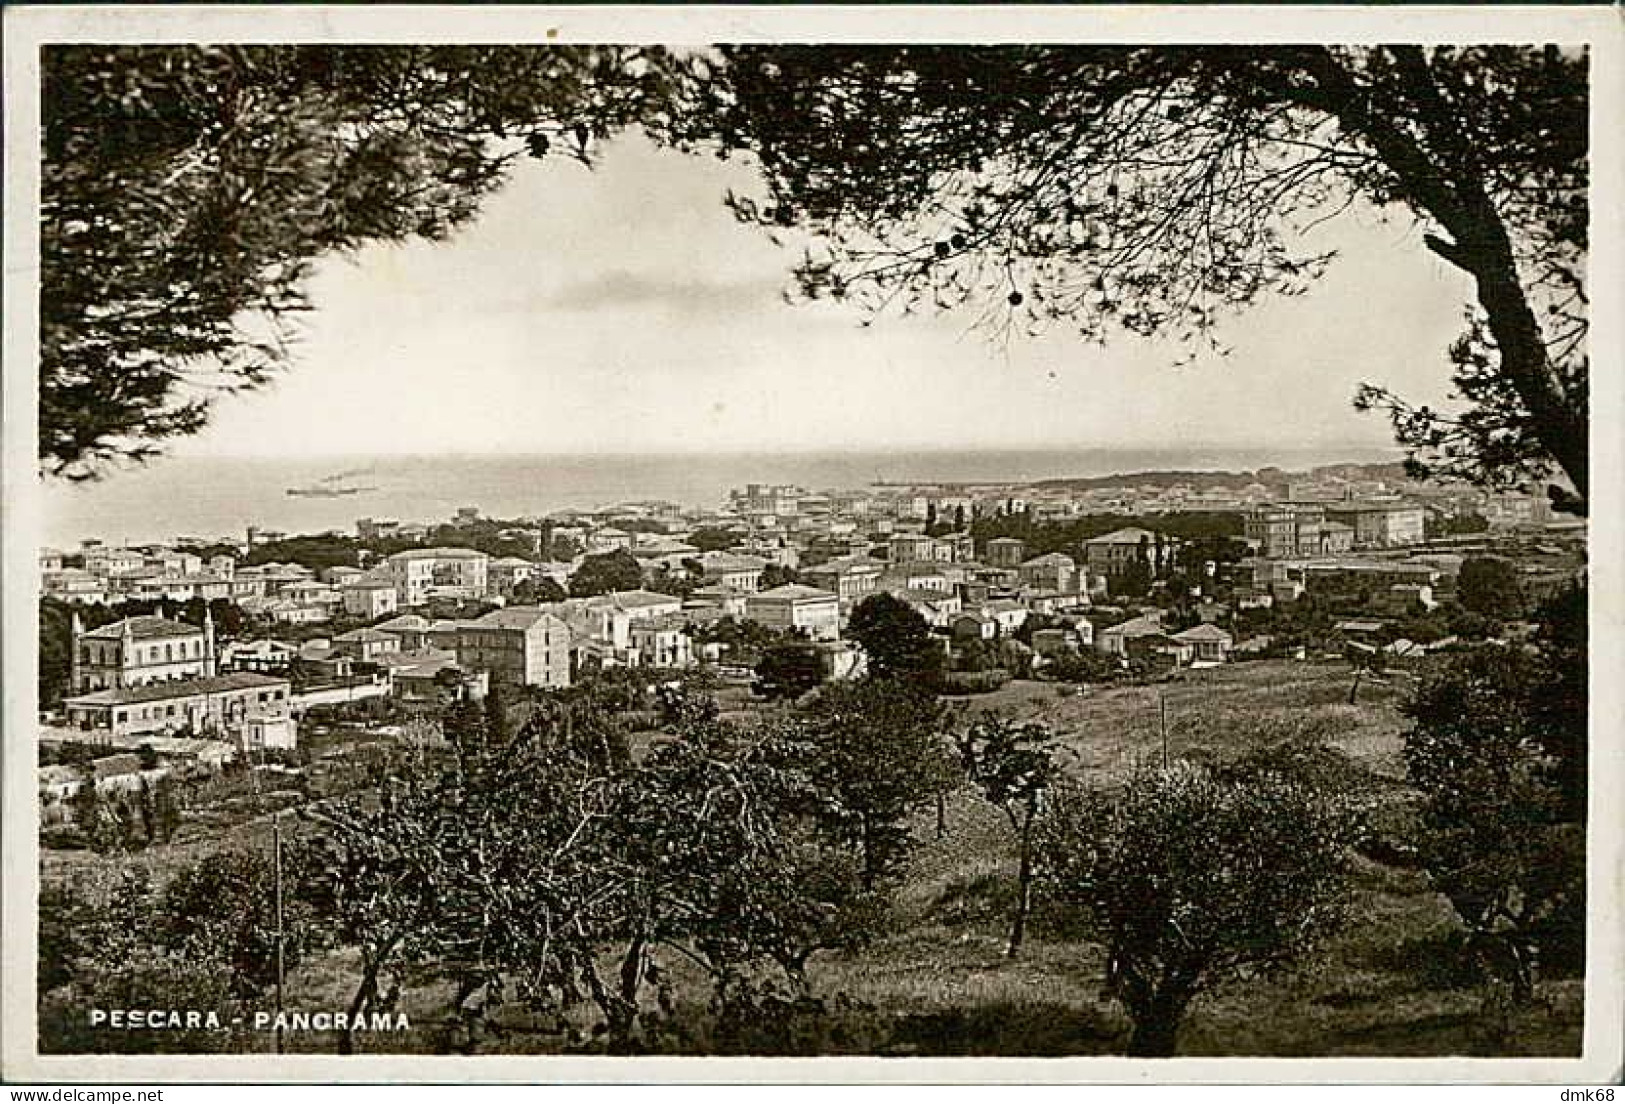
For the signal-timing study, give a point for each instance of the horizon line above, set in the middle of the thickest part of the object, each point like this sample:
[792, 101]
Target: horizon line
[809, 452]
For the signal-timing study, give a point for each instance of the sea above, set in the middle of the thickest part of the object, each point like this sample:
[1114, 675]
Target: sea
[219, 498]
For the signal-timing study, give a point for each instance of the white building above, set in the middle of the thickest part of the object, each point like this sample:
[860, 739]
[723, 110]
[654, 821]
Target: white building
[794, 606]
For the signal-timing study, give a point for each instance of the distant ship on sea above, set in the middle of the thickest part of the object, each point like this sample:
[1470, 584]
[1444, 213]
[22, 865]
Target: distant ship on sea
[330, 486]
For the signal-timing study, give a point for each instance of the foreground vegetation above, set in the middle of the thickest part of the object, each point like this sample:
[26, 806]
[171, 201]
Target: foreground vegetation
[890, 940]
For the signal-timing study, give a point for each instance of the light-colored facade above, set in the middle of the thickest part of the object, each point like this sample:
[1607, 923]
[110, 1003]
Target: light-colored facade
[1381, 524]
[221, 705]
[74, 585]
[265, 656]
[113, 561]
[369, 597]
[915, 577]
[138, 651]
[423, 573]
[851, 579]
[731, 570]
[1293, 529]
[366, 644]
[663, 643]
[507, 572]
[794, 606]
[1208, 643]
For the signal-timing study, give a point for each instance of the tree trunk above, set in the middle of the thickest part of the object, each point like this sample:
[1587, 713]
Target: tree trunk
[1525, 957]
[1156, 1028]
[1024, 888]
[624, 1019]
[1481, 248]
[364, 995]
[942, 817]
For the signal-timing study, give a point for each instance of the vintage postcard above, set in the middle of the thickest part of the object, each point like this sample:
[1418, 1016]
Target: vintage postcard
[781, 544]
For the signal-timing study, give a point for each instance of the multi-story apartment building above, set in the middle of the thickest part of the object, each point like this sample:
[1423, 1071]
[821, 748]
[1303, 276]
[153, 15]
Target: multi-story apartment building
[422, 573]
[506, 572]
[768, 499]
[662, 642]
[917, 548]
[113, 561]
[1380, 524]
[517, 646]
[1287, 530]
[171, 561]
[73, 585]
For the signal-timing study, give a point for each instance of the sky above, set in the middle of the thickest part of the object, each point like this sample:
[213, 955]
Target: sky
[622, 309]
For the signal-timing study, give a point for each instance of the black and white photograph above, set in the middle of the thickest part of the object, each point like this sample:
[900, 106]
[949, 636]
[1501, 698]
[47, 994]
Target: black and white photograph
[606, 536]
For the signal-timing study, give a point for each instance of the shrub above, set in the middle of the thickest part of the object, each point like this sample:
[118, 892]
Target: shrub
[973, 682]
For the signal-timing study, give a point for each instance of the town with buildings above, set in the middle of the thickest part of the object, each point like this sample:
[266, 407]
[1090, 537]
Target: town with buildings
[1028, 580]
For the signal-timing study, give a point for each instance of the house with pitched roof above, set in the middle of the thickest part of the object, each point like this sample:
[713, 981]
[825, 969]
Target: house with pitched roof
[1055, 571]
[140, 650]
[1114, 553]
[411, 628]
[1119, 639]
[369, 595]
[366, 644]
[1209, 644]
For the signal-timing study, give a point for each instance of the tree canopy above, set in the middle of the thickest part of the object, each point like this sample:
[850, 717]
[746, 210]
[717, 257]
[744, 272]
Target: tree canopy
[896, 639]
[188, 190]
[1153, 190]
[1497, 749]
[606, 572]
[1189, 879]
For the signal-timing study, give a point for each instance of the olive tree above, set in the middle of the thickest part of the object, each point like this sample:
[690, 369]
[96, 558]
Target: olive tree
[1013, 766]
[1189, 879]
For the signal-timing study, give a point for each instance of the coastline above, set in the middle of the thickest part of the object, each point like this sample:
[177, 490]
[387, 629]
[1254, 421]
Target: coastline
[209, 497]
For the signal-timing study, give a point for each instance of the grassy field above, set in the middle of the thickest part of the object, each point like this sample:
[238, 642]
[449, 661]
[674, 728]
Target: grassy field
[940, 985]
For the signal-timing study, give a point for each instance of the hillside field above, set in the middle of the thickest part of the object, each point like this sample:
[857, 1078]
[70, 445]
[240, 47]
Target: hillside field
[941, 985]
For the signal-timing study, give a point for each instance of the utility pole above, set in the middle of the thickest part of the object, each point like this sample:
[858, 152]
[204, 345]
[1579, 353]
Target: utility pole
[1162, 709]
[276, 862]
